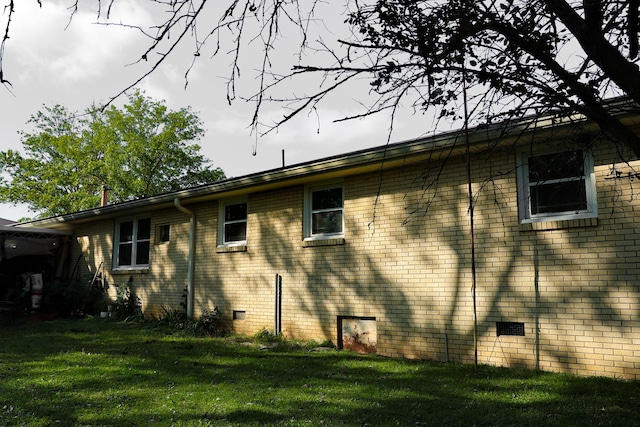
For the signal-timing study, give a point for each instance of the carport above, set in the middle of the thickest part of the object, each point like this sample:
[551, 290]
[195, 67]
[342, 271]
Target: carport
[31, 260]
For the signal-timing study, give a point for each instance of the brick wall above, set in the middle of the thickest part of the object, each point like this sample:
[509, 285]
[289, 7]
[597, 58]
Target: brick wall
[406, 260]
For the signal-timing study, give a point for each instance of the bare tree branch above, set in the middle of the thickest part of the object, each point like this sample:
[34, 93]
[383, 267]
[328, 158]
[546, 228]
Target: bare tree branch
[412, 54]
[9, 9]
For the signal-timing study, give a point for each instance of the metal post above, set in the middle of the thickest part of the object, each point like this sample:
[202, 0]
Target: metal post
[277, 320]
[275, 308]
[279, 304]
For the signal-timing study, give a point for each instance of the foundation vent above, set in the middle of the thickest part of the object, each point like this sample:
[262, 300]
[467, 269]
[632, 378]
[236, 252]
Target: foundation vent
[510, 328]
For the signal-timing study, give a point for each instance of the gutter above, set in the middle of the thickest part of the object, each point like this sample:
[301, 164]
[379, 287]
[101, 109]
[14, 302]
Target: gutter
[367, 160]
[364, 160]
[191, 256]
[12, 230]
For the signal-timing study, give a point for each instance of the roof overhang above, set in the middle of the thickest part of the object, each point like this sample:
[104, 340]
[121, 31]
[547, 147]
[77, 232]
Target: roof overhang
[32, 232]
[481, 138]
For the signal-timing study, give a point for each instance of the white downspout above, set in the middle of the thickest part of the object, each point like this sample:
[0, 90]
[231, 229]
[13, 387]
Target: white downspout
[191, 256]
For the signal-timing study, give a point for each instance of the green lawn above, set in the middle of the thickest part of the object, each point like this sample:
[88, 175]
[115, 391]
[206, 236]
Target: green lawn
[97, 373]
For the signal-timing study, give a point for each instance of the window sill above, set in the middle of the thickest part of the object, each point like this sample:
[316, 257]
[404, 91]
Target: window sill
[229, 249]
[335, 241]
[123, 271]
[559, 224]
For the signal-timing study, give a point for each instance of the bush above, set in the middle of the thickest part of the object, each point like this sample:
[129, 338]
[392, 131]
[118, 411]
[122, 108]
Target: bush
[210, 323]
[127, 305]
[265, 337]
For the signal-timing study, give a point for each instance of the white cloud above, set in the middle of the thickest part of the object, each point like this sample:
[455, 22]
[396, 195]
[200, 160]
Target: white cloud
[229, 142]
[46, 45]
[86, 63]
[155, 89]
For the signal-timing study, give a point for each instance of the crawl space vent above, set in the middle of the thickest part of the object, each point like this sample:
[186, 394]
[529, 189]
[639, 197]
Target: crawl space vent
[510, 328]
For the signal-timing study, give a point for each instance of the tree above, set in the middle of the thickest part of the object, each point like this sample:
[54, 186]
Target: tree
[515, 57]
[137, 151]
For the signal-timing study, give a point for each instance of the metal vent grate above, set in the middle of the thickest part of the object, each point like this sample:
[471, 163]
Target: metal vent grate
[510, 328]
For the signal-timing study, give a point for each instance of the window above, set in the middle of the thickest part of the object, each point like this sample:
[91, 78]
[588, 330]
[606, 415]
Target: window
[556, 186]
[324, 216]
[132, 243]
[233, 223]
[163, 233]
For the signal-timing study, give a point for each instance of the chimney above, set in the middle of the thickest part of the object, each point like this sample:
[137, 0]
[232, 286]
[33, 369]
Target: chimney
[105, 193]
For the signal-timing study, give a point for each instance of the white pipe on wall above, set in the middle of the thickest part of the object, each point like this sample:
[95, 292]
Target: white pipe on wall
[191, 256]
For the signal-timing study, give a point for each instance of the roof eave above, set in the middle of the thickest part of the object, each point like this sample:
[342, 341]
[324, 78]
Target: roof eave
[362, 161]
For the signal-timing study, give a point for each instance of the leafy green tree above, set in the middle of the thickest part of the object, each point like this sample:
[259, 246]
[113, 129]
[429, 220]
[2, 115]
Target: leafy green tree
[137, 151]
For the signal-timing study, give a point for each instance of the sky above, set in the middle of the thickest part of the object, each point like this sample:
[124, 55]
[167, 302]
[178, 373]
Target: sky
[50, 61]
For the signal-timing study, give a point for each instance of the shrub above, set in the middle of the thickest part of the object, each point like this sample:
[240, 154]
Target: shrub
[127, 305]
[265, 337]
[210, 323]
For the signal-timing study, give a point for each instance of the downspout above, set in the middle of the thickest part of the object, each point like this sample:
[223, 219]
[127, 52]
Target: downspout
[191, 256]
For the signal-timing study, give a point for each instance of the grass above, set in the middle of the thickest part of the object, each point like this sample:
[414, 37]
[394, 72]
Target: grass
[104, 373]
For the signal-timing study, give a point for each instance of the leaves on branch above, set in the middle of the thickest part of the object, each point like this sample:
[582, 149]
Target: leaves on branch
[140, 150]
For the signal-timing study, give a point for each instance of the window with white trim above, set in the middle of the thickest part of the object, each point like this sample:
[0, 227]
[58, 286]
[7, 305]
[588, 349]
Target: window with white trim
[232, 228]
[324, 212]
[132, 243]
[556, 186]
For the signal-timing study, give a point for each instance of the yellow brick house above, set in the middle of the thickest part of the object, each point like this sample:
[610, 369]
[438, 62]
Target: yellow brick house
[372, 249]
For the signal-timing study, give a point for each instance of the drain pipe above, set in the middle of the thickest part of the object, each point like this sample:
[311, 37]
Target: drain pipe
[191, 256]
